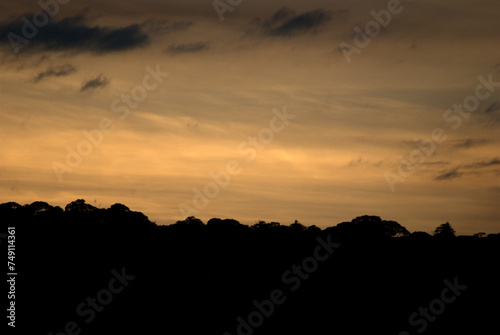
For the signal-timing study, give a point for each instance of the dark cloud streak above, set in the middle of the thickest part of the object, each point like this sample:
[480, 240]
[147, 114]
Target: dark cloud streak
[165, 26]
[187, 48]
[285, 23]
[492, 108]
[449, 175]
[482, 164]
[282, 14]
[55, 71]
[302, 23]
[99, 82]
[469, 143]
[457, 171]
[72, 33]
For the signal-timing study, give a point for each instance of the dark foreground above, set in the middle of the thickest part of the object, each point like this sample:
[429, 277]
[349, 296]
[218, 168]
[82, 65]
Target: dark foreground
[92, 271]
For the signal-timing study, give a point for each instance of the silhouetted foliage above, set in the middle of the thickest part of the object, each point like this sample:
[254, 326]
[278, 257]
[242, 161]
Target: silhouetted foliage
[225, 225]
[190, 224]
[313, 229]
[263, 225]
[444, 231]
[79, 206]
[196, 278]
[368, 226]
[420, 235]
[297, 226]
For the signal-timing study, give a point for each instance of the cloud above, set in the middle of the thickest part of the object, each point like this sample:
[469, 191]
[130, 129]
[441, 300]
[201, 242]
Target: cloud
[495, 189]
[436, 163]
[492, 108]
[282, 14]
[165, 26]
[55, 71]
[449, 175]
[284, 22]
[99, 81]
[455, 172]
[482, 164]
[302, 23]
[364, 162]
[187, 48]
[72, 33]
[469, 143]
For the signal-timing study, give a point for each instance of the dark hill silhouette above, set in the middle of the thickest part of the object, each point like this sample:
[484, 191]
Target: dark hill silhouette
[364, 276]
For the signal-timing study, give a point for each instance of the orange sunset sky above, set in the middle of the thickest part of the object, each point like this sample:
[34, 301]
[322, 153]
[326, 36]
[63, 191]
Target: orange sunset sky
[403, 124]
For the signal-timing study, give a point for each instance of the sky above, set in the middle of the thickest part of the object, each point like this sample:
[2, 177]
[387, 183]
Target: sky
[316, 111]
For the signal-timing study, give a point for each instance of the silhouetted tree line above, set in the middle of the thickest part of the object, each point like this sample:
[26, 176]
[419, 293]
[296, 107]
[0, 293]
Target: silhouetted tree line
[193, 277]
[120, 216]
[76, 212]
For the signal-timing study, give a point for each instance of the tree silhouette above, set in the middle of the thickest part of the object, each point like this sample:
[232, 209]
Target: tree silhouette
[191, 221]
[213, 272]
[369, 226]
[444, 231]
[224, 225]
[40, 207]
[263, 225]
[79, 206]
[297, 226]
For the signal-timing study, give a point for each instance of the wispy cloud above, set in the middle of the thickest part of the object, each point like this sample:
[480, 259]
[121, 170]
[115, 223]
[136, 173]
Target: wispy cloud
[436, 163]
[99, 81]
[469, 143]
[364, 162]
[187, 48]
[55, 71]
[302, 23]
[286, 23]
[495, 189]
[449, 175]
[470, 168]
[281, 15]
[482, 164]
[165, 26]
[492, 108]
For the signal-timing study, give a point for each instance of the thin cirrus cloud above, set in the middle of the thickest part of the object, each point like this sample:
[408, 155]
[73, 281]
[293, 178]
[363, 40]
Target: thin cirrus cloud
[187, 48]
[163, 26]
[470, 168]
[98, 82]
[469, 143]
[285, 23]
[74, 34]
[55, 71]
[454, 173]
[482, 164]
[495, 106]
